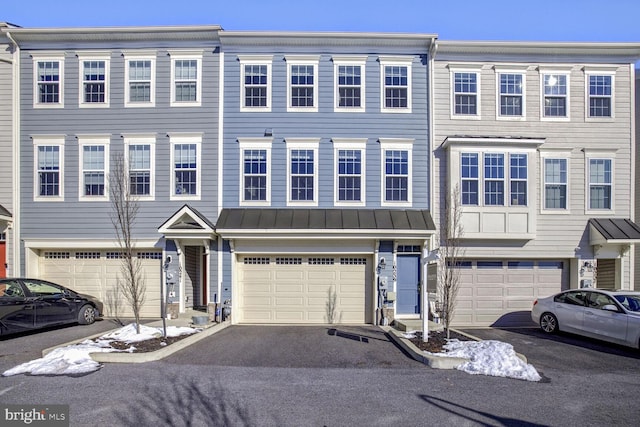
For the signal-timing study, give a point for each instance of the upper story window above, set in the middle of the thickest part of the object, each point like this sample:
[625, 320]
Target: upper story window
[555, 96]
[94, 167]
[600, 95]
[186, 165]
[397, 167]
[556, 183]
[466, 93]
[396, 84]
[255, 83]
[140, 160]
[302, 165]
[349, 83]
[600, 183]
[350, 170]
[255, 171]
[94, 80]
[493, 179]
[186, 79]
[518, 179]
[469, 178]
[49, 168]
[511, 90]
[140, 73]
[302, 87]
[48, 80]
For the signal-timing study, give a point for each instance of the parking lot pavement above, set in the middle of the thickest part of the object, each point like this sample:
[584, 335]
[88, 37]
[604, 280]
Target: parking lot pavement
[364, 346]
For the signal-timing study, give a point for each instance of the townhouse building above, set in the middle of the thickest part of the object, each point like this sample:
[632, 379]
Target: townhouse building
[536, 140]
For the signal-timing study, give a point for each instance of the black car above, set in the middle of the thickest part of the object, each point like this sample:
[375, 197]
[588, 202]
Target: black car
[27, 304]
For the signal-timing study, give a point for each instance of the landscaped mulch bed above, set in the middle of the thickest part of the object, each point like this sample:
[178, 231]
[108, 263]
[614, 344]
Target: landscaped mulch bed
[148, 345]
[437, 340]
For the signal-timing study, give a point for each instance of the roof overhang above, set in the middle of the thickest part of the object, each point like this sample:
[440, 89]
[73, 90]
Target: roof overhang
[493, 141]
[613, 235]
[5, 215]
[187, 223]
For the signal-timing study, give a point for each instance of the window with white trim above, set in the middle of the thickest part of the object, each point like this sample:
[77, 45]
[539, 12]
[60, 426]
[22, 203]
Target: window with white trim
[600, 95]
[396, 171]
[49, 168]
[255, 171]
[555, 95]
[255, 86]
[469, 178]
[186, 79]
[302, 171]
[511, 94]
[518, 179]
[94, 167]
[396, 84]
[140, 158]
[466, 90]
[493, 179]
[48, 81]
[302, 83]
[600, 183]
[349, 74]
[140, 72]
[94, 80]
[349, 158]
[555, 183]
[185, 164]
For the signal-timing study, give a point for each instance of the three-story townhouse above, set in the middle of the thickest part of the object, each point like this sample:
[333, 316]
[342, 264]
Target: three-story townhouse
[538, 140]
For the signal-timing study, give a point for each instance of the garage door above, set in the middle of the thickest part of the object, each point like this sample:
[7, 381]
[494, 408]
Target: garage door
[95, 272]
[501, 292]
[307, 289]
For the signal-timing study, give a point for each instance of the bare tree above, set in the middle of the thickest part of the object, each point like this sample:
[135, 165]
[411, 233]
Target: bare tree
[451, 253]
[131, 283]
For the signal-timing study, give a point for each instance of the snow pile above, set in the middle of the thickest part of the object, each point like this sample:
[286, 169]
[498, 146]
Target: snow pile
[410, 334]
[495, 358]
[75, 359]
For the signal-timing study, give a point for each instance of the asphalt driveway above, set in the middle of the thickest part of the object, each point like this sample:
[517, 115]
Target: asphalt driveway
[364, 346]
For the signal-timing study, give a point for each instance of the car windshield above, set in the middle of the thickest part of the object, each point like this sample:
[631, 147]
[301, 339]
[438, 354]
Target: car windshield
[630, 302]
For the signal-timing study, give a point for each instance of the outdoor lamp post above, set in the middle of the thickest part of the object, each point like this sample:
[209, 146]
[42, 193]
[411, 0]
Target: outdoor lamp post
[427, 258]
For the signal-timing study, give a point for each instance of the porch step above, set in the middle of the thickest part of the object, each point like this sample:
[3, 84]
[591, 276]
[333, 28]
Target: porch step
[415, 325]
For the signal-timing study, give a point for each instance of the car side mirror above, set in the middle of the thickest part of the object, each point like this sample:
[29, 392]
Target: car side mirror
[610, 307]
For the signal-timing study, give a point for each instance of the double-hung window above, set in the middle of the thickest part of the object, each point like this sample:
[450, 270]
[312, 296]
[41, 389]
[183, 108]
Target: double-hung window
[94, 167]
[518, 179]
[48, 72]
[139, 89]
[185, 163]
[255, 90]
[511, 92]
[600, 95]
[302, 86]
[555, 183]
[469, 178]
[465, 94]
[140, 158]
[94, 80]
[349, 75]
[186, 79]
[396, 166]
[493, 179]
[255, 187]
[302, 165]
[396, 84]
[350, 183]
[600, 183]
[555, 96]
[49, 168]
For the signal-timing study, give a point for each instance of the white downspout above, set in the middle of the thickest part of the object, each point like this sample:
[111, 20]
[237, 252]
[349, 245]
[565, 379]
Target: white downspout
[632, 158]
[220, 274]
[15, 268]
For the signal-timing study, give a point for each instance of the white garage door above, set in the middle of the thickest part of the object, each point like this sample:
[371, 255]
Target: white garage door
[501, 293]
[96, 272]
[304, 289]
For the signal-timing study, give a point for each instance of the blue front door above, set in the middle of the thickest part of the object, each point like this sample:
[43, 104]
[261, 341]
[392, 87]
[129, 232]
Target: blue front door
[408, 284]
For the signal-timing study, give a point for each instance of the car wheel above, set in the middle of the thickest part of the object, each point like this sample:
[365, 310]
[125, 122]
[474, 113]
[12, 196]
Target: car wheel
[86, 315]
[549, 323]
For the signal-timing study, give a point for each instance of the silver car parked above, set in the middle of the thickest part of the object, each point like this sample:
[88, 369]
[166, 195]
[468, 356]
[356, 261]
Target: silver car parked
[612, 316]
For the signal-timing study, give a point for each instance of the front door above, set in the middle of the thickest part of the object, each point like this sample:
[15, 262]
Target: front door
[3, 258]
[408, 285]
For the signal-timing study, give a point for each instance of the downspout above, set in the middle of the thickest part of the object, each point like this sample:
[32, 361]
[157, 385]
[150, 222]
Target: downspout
[220, 254]
[432, 177]
[15, 269]
[632, 158]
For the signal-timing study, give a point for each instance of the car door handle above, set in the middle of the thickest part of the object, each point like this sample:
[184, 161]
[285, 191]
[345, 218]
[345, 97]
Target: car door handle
[29, 307]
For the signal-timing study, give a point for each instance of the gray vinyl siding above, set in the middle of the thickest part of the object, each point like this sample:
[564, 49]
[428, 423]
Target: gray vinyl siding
[73, 218]
[326, 124]
[557, 234]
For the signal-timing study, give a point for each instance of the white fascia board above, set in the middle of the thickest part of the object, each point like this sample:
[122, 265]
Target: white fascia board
[87, 243]
[325, 234]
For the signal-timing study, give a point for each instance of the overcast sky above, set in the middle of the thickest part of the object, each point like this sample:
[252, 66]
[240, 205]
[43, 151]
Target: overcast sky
[540, 20]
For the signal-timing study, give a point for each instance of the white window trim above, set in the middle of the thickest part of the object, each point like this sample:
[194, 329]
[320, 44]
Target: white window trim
[303, 144]
[186, 55]
[561, 155]
[303, 60]
[150, 140]
[255, 144]
[359, 61]
[396, 61]
[471, 69]
[599, 71]
[567, 96]
[350, 144]
[94, 56]
[48, 57]
[93, 140]
[599, 154]
[48, 140]
[403, 144]
[139, 56]
[523, 73]
[178, 139]
[266, 60]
